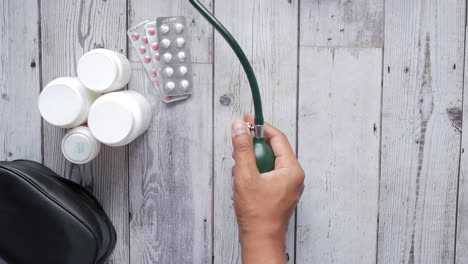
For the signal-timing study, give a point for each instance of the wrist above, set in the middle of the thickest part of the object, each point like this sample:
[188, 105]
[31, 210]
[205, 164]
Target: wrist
[259, 247]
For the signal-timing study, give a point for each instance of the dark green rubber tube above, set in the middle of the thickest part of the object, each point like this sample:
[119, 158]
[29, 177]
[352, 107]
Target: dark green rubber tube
[263, 153]
[257, 100]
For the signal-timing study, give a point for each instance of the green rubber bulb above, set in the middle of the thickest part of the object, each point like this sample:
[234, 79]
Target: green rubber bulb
[263, 155]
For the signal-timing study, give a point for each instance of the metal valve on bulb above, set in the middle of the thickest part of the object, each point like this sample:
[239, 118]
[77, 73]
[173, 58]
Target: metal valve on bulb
[263, 154]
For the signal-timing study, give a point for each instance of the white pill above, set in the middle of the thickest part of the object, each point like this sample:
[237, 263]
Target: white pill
[180, 42]
[168, 71]
[179, 27]
[183, 70]
[184, 84]
[164, 29]
[166, 43]
[170, 86]
[181, 55]
[167, 57]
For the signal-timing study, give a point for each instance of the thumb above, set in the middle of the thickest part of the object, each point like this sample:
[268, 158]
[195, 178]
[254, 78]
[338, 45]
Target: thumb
[243, 145]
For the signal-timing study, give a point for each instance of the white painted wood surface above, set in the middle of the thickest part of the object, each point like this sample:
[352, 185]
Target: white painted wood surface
[342, 23]
[340, 76]
[168, 193]
[171, 165]
[339, 124]
[170, 178]
[20, 128]
[422, 100]
[461, 120]
[267, 30]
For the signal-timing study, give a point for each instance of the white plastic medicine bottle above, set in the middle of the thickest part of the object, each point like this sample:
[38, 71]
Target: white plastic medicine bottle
[80, 146]
[118, 118]
[104, 71]
[65, 102]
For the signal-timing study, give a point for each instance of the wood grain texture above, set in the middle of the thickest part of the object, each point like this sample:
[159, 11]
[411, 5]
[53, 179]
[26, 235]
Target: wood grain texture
[339, 130]
[176, 206]
[267, 31]
[342, 23]
[69, 29]
[460, 118]
[423, 83]
[171, 165]
[171, 178]
[20, 129]
[339, 119]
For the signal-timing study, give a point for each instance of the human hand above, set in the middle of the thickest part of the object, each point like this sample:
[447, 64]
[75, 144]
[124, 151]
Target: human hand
[264, 202]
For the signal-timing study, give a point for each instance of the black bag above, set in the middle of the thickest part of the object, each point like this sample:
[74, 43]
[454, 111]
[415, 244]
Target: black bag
[47, 219]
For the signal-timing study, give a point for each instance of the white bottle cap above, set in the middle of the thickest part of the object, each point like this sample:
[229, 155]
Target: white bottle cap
[80, 146]
[65, 102]
[103, 71]
[116, 119]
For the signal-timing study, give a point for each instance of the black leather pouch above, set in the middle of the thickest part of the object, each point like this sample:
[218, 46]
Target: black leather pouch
[47, 219]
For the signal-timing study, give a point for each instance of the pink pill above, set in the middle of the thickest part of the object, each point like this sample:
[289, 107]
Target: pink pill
[153, 72]
[135, 36]
[155, 46]
[168, 97]
[147, 59]
[142, 49]
[144, 39]
[152, 31]
[157, 57]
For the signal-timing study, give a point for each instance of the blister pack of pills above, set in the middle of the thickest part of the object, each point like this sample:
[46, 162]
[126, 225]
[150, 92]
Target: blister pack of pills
[151, 33]
[175, 60]
[139, 36]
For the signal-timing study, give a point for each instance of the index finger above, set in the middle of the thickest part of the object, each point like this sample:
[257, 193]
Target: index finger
[277, 139]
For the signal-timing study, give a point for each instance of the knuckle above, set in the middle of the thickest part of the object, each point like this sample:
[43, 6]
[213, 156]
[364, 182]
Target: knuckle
[236, 180]
[301, 174]
[235, 184]
[244, 145]
[283, 135]
[235, 171]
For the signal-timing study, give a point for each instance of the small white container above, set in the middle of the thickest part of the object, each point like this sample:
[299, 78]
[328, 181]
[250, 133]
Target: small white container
[104, 71]
[65, 102]
[118, 118]
[80, 146]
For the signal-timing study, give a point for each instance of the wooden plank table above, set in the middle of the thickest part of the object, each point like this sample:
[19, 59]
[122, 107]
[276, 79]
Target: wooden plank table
[369, 92]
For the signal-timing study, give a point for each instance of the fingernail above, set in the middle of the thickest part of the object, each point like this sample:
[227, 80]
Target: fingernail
[239, 127]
